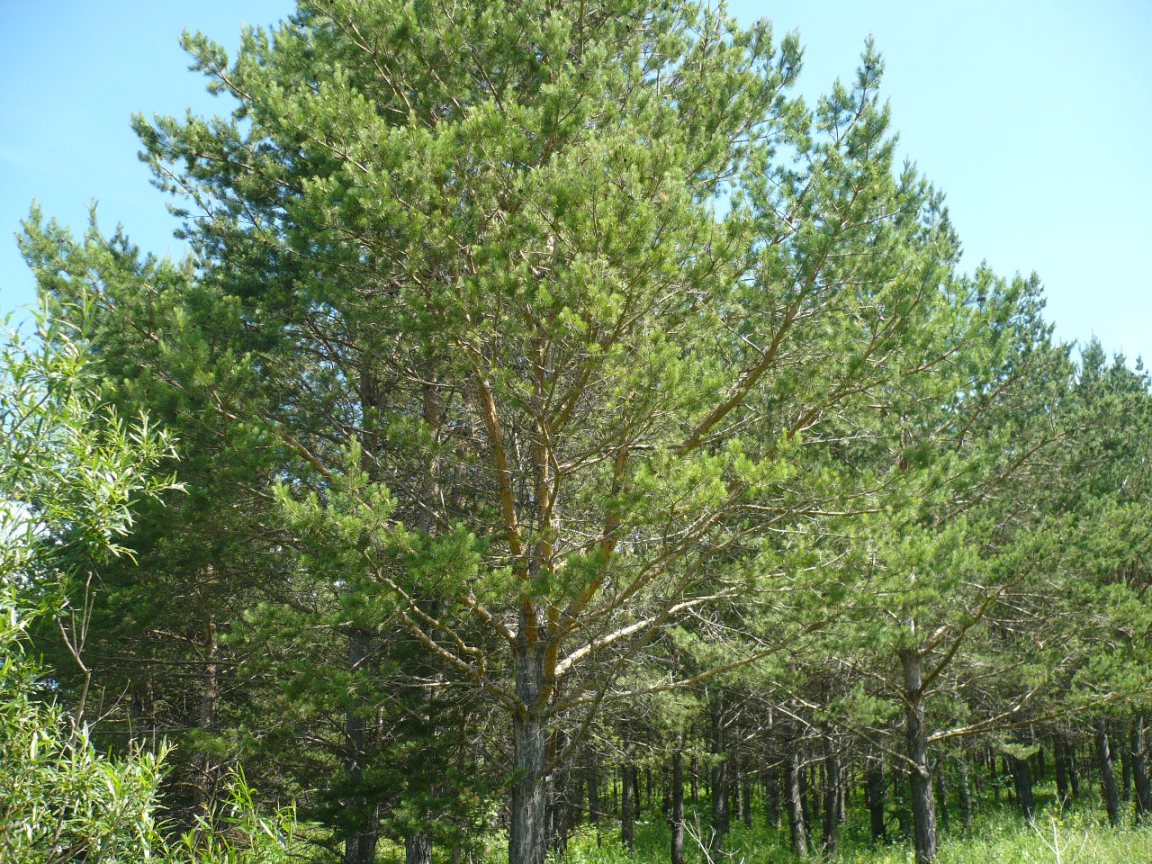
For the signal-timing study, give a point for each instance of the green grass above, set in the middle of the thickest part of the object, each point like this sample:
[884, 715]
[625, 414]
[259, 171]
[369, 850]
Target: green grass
[999, 837]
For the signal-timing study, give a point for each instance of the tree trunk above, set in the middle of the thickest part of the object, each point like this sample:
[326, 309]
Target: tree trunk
[720, 768]
[564, 800]
[1143, 783]
[593, 788]
[1022, 783]
[796, 821]
[942, 794]
[746, 796]
[1125, 761]
[923, 806]
[527, 834]
[772, 798]
[417, 849]
[360, 844]
[676, 820]
[831, 837]
[205, 765]
[576, 806]
[1063, 793]
[1073, 776]
[1107, 774]
[874, 789]
[965, 796]
[628, 804]
[812, 795]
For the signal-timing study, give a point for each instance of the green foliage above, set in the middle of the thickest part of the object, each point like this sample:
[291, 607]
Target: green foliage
[59, 799]
[539, 360]
[70, 472]
[70, 468]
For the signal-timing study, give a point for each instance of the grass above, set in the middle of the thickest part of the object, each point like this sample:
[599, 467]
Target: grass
[1000, 836]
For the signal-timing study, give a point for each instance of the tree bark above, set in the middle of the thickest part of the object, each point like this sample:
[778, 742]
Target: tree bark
[576, 808]
[720, 769]
[593, 788]
[1022, 783]
[1073, 776]
[796, 822]
[1107, 774]
[1063, 793]
[923, 805]
[676, 819]
[772, 798]
[965, 795]
[564, 800]
[628, 804]
[360, 845]
[417, 849]
[205, 765]
[1125, 761]
[1140, 778]
[527, 834]
[746, 796]
[874, 795]
[830, 840]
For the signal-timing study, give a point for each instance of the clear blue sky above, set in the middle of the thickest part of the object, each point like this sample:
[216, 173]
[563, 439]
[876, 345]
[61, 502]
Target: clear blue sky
[1034, 117]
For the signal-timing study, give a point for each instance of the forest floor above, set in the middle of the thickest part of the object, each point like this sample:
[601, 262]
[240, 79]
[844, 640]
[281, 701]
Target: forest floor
[1000, 836]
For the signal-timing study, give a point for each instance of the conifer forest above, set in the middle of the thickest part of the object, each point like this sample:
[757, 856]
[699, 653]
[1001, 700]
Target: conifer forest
[562, 443]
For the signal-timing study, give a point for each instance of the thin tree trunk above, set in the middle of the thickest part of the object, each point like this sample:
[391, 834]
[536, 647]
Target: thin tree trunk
[576, 807]
[628, 804]
[942, 794]
[1073, 776]
[205, 765]
[360, 844]
[1107, 774]
[874, 794]
[923, 806]
[812, 788]
[720, 769]
[830, 840]
[772, 798]
[593, 788]
[1063, 793]
[1139, 746]
[1125, 761]
[746, 796]
[676, 820]
[796, 821]
[965, 795]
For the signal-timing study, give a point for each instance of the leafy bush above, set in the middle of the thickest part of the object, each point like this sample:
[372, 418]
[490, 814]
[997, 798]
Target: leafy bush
[69, 471]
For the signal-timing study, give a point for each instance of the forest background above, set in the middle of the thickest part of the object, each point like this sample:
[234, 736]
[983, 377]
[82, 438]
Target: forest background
[561, 421]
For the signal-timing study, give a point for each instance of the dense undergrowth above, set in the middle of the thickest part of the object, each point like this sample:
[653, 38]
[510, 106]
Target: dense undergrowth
[999, 836]
[1080, 837]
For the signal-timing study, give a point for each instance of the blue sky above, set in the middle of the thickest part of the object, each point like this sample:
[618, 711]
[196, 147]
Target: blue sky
[1035, 118]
